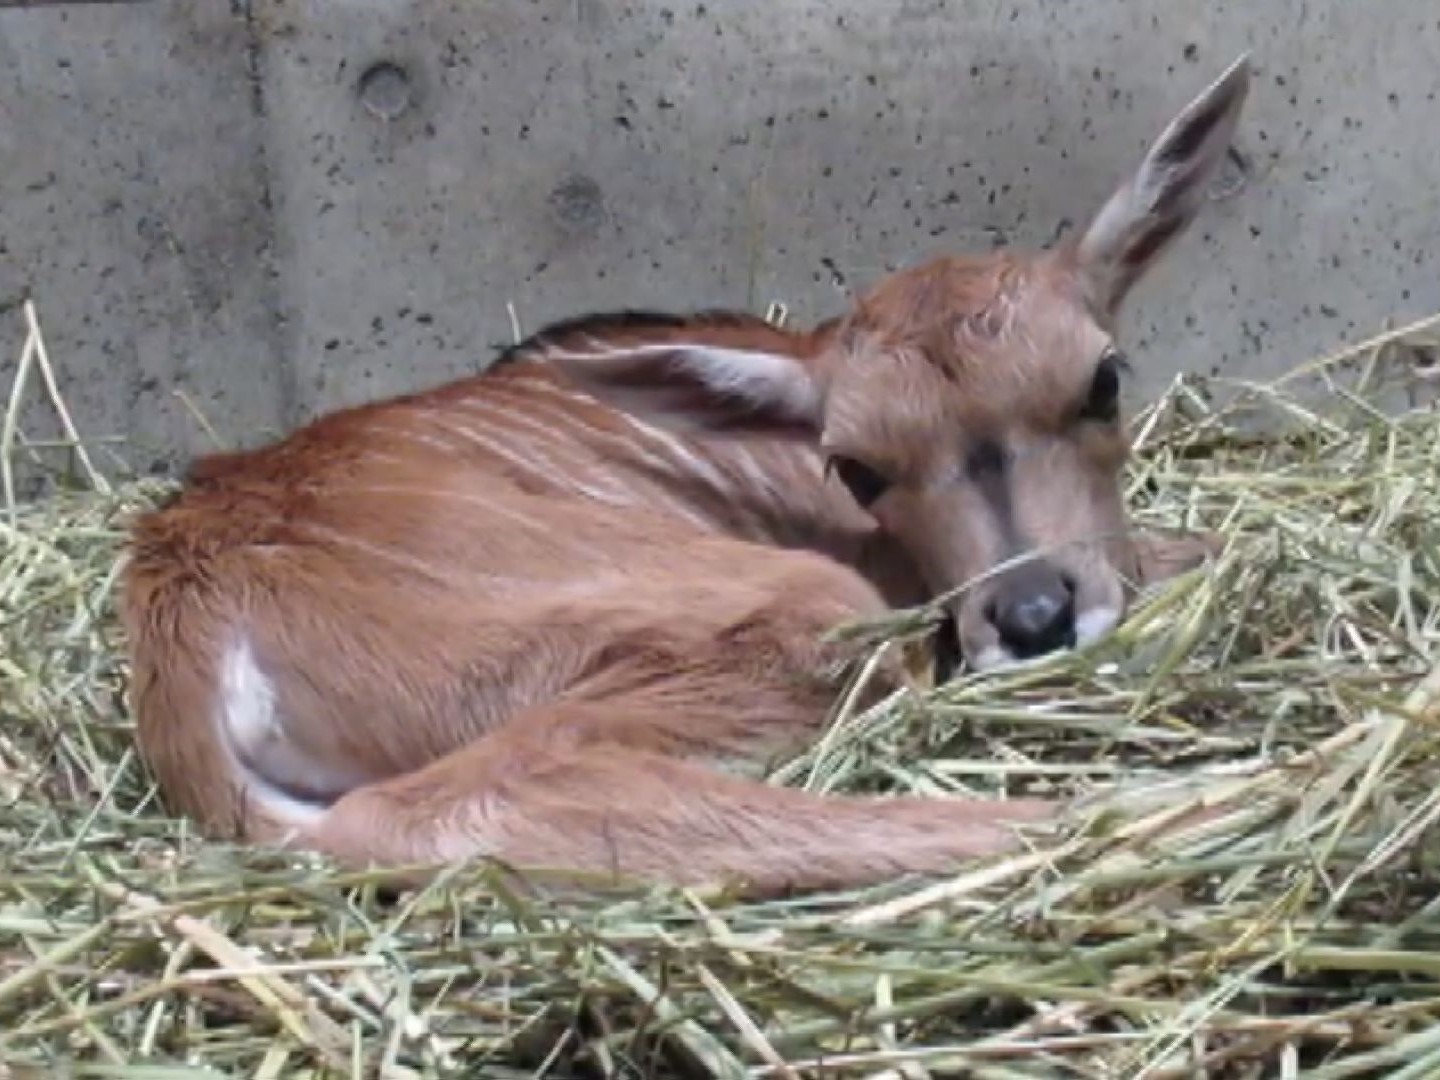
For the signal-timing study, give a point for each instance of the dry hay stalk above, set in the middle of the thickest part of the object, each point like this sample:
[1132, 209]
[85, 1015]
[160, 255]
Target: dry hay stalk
[1251, 889]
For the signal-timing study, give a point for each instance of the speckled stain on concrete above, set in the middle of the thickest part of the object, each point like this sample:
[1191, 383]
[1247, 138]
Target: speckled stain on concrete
[407, 169]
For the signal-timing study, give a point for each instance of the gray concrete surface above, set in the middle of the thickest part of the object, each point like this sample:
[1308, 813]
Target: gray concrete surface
[133, 210]
[290, 205]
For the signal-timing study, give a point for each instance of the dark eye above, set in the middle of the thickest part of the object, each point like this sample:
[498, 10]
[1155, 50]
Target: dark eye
[1103, 402]
[864, 483]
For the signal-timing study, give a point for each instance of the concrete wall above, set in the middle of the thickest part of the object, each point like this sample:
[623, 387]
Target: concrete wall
[286, 205]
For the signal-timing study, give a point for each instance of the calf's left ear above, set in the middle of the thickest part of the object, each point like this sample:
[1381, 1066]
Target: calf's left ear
[1156, 203]
[738, 377]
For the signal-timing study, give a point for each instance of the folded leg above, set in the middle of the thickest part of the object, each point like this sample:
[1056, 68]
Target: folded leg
[557, 791]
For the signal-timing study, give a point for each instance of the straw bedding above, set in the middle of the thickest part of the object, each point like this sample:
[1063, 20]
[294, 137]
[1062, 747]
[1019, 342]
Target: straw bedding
[1291, 688]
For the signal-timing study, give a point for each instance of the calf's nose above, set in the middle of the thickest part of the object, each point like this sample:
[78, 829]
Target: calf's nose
[1033, 611]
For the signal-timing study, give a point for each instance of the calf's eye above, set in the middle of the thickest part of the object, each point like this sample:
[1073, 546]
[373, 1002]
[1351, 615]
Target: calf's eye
[864, 483]
[1102, 404]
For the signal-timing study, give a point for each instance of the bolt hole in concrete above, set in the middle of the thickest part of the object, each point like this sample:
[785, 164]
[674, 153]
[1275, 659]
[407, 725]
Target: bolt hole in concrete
[384, 89]
[578, 201]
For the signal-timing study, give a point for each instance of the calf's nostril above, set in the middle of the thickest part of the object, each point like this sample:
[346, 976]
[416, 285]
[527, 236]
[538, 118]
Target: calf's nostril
[1035, 614]
[1034, 623]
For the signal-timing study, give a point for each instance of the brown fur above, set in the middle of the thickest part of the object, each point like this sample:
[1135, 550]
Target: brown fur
[564, 612]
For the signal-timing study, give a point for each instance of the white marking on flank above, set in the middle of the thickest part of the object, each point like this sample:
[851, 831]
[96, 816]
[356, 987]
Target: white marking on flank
[247, 701]
[248, 717]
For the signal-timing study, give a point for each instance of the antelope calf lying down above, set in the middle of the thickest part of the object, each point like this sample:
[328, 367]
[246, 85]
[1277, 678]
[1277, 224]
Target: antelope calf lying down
[552, 613]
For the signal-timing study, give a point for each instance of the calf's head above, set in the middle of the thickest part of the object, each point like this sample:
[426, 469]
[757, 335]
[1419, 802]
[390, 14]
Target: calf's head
[971, 405]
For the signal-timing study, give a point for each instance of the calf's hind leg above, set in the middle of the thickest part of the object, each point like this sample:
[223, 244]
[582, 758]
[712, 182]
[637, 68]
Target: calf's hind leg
[628, 772]
[553, 793]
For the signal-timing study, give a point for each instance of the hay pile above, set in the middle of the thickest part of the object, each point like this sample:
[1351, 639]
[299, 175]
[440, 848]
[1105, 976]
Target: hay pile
[1292, 687]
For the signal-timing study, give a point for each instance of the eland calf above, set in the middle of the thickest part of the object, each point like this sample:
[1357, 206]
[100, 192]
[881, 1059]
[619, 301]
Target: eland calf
[563, 612]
